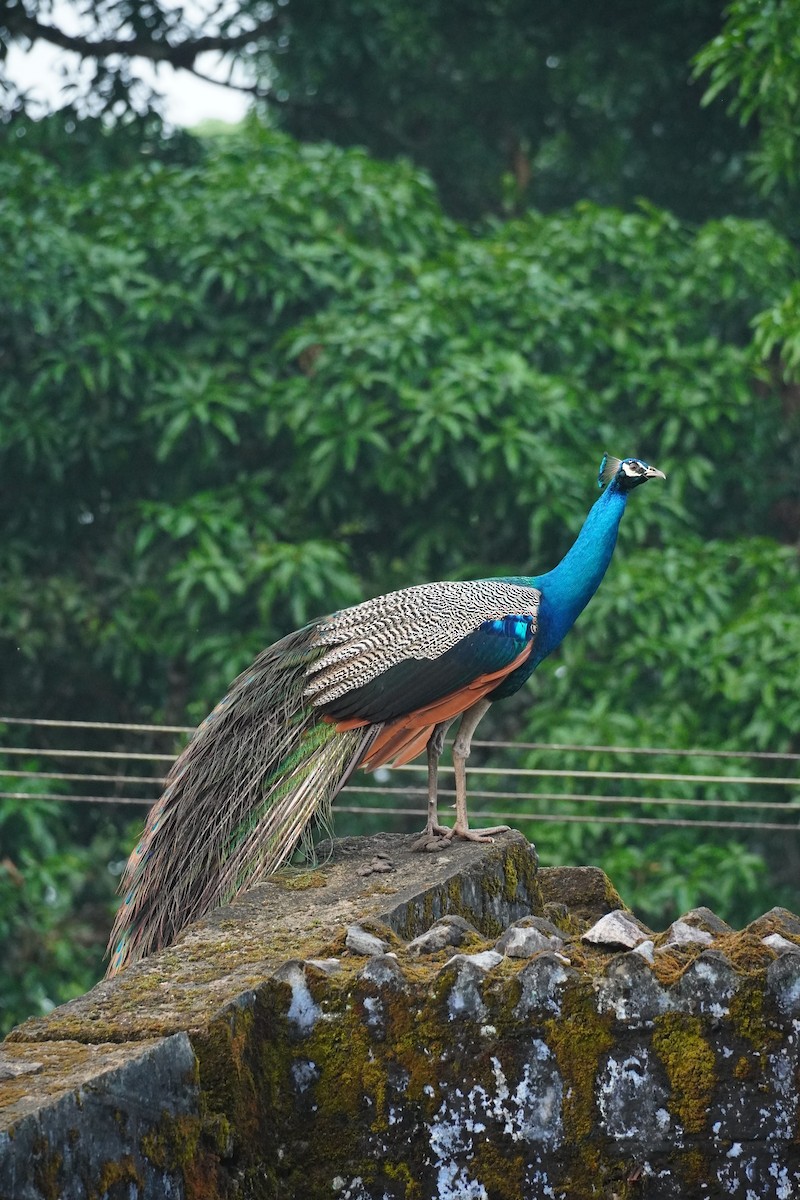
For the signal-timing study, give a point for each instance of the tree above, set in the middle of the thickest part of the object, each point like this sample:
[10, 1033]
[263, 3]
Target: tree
[114, 38]
[507, 104]
[755, 60]
[515, 104]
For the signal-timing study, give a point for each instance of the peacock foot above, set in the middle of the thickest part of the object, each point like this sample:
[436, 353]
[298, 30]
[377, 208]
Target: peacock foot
[433, 837]
[475, 835]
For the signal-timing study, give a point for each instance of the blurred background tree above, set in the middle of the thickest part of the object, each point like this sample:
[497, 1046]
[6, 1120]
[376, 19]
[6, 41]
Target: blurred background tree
[251, 377]
[506, 104]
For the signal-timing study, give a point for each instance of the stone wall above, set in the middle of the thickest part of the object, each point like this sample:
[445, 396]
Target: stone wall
[395, 1025]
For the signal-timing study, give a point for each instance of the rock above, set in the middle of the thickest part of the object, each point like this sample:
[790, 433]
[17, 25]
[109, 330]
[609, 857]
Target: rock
[490, 883]
[93, 1110]
[617, 928]
[631, 991]
[646, 949]
[543, 924]
[379, 865]
[447, 931]
[783, 980]
[633, 1100]
[519, 942]
[707, 985]
[542, 985]
[361, 941]
[486, 960]
[329, 966]
[777, 920]
[704, 918]
[682, 934]
[11, 1068]
[303, 1011]
[778, 943]
[384, 971]
[587, 892]
[557, 915]
[366, 1076]
[464, 998]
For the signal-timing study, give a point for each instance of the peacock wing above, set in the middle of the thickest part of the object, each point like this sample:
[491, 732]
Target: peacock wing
[406, 650]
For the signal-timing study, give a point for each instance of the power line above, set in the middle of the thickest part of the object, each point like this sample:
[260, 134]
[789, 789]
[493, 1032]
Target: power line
[477, 793]
[584, 798]
[156, 780]
[570, 773]
[578, 819]
[72, 799]
[493, 815]
[525, 772]
[697, 752]
[52, 724]
[136, 755]
[591, 749]
[521, 799]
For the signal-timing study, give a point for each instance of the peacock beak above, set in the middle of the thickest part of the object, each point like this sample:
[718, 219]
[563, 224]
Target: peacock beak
[654, 473]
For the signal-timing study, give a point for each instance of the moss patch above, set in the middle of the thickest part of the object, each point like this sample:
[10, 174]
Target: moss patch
[579, 1039]
[301, 881]
[690, 1065]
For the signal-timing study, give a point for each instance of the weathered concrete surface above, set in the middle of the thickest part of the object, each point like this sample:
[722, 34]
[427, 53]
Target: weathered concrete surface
[296, 1045]
[79, 1120]
[304, 913]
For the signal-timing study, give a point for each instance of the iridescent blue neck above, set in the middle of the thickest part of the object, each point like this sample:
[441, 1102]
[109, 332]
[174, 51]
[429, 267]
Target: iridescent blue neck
[568, 588]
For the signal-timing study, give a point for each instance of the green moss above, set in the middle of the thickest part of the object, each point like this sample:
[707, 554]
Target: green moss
[578, 1041]
[176, 1145]
[502, 1174]
[47, 1168]
[400, 1173]
[173, 1142]
[743, 1068]
[579, 1038]
[693, 1168]
[669, 965]
[746, 951]
[690, 1065]
[511, 880]
[302, 881]
[749, 1018]
[226, 1052]
[522, 872]
[491, 884]
[113, 1174]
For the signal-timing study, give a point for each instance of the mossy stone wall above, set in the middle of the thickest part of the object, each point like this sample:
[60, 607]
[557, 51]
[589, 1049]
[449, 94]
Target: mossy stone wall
[371, 1031]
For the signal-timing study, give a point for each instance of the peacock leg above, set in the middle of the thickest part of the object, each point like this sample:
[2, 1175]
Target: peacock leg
[433, 832]
[461, 748]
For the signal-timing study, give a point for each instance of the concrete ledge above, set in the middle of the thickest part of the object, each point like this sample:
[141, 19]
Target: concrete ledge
[403, 1026]
[78, 1120]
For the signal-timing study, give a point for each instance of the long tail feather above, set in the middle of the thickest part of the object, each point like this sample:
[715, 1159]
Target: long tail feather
[258, 771]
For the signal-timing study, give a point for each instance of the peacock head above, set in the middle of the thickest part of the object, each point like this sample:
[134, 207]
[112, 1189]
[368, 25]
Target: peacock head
[626, 473]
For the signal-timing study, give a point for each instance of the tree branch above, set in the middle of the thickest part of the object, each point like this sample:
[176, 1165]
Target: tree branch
[251, 89]
[182, 55]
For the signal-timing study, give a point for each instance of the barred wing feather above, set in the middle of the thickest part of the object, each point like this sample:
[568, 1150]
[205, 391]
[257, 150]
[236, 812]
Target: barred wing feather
[419, 625]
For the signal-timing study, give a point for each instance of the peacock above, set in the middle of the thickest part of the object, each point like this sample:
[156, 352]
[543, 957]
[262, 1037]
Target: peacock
[377, 683]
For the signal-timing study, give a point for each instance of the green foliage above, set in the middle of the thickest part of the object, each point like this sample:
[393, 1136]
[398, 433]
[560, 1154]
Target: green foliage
[140, 316]
[56, 893]
[755, 59]
[510, 104]
[506, 104]
[777, 335]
